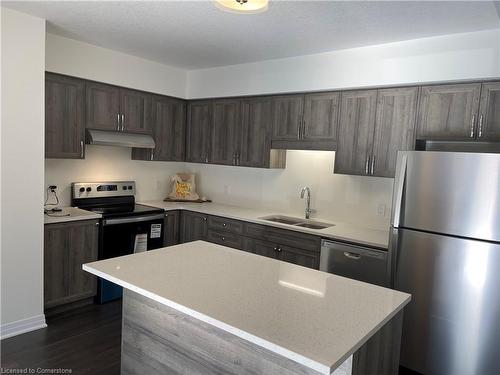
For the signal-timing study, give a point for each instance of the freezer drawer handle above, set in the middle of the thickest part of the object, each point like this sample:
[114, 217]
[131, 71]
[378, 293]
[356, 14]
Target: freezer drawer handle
[133, 219]
[352, 256]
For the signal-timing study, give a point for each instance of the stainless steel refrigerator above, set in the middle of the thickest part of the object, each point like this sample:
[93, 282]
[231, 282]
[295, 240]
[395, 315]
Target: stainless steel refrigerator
[445, 246]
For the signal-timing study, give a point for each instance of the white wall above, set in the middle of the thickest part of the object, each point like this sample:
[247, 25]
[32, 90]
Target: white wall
[68, 56]
[22, 153]
[105, 163]
[452, 57]
[334, 197]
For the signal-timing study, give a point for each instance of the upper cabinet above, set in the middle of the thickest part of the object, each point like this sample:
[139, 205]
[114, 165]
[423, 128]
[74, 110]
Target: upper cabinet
[135, 111]
[199, 130]
[117, 109]
[64, 117]
[102, 106]
[287, 123]
[168, 126]
[394, 128]
[448, 112]
[489, 112]
[254, 135]
[225, 128]
[321, 113]
[374, 126]
[356, 129]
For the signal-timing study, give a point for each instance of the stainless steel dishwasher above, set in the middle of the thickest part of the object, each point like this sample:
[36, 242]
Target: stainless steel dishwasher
[356, 262]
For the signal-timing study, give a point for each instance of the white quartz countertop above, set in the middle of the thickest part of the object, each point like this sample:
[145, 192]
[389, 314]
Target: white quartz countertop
[340, 231]
[314, 318]
[69, 214]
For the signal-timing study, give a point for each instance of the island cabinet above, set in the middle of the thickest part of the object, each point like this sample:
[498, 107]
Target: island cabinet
[193, 226]
[67, 246]
[64, 117]
[168, 126]
[374, 125]
[171, 230]
[117, 109]
[245, 314]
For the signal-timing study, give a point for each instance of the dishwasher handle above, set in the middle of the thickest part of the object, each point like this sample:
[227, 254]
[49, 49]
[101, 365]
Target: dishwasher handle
[352, 255]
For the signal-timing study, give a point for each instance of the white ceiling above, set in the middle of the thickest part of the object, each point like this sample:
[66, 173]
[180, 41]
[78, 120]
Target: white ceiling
[196, 34]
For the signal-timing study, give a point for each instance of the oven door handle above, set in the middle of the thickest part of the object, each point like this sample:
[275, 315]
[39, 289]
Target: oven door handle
[133, 219]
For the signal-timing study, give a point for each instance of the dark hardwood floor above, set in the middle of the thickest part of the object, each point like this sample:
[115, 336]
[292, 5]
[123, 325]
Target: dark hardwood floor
[86, 340]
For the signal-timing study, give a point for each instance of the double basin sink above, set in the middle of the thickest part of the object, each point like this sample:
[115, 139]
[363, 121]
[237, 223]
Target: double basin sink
[297, 222]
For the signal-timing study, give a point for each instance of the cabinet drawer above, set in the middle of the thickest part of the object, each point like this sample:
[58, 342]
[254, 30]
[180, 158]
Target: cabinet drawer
[226, 239]
[221, 224]
[283, 237]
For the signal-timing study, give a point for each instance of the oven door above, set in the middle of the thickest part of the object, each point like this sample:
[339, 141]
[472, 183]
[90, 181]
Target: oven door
[124, 236]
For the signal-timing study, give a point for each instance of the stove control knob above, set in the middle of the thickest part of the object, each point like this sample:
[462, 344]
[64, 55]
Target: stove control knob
[82, 189]
[124, 187]
[89, 189]
[130, 187]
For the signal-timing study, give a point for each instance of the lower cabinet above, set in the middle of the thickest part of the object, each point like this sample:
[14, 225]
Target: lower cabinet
[193, 226]
[67, 246]
[171, 228]
[286, 245]
[285, 253]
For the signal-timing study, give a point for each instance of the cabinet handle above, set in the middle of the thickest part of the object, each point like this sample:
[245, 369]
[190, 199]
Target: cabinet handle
[96, 224]
[81, 149]
[480, 132]
[223, 224]
[204, 219]
[234, 158]
[237, 158]
[152, 154]
[367, 163]
[118, 121]
[279, 249]
[473, 120]
[352, 255]
[123, 120]
[372, 165]
[223, 238]
[299, 125]
[275, 248]
[303, 129]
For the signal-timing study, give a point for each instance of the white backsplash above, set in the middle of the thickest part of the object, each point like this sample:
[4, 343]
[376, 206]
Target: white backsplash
[362, 200]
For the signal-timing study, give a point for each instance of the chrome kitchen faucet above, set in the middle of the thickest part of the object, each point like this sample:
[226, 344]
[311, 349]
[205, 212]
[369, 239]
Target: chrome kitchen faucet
[308, 200]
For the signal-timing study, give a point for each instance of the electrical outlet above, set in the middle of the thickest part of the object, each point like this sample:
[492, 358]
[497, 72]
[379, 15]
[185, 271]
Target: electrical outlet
[381, 209]
[227, 189]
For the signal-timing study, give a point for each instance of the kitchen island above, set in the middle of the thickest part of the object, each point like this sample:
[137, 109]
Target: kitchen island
[201, 308]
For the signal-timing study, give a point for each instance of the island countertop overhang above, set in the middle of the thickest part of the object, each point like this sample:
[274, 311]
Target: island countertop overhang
[311, 317]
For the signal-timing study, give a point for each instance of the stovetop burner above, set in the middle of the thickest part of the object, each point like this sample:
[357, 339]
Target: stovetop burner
[110, 199]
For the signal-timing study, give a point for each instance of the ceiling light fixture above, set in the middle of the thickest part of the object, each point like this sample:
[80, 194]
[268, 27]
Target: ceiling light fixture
[242, 6]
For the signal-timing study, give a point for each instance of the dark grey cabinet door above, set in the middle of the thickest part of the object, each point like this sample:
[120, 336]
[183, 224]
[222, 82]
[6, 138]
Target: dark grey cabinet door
[171, 228]
[299, 257]
[66, 247]
[193, 226]
[225, 128]
[394, 128]
[489, 112]
[64, 117]
[321, 112]
[199, 131]
[168, 126]
[260, 247]
[448, 112]
[135, 109]
[355, 134]
[102, 106]
[256, 125]
[287, 117]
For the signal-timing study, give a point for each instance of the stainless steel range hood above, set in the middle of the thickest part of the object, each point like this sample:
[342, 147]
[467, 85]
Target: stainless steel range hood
[110, 138]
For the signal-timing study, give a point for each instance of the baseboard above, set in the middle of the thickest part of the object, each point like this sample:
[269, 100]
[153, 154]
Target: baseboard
[22, 326]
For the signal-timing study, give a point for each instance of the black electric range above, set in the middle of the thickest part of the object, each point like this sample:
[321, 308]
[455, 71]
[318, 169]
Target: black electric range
[125, 228]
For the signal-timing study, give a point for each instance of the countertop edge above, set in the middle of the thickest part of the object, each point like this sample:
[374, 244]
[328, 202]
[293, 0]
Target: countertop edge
[275, 225]
[319, 367]
[67, 219]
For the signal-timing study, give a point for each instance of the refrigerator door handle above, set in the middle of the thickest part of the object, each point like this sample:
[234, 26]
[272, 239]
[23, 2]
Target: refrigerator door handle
[399, 183]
